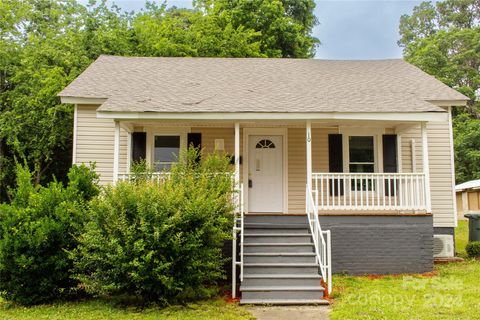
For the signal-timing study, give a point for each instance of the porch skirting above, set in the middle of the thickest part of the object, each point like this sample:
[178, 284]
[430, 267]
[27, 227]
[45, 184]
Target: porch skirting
[380, 244]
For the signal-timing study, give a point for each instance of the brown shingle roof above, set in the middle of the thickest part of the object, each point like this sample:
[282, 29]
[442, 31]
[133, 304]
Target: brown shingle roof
[135, 84]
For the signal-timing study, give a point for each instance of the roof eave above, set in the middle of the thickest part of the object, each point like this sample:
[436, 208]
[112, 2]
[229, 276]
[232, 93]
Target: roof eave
[366, 116]
[449, 103]
[82, 100]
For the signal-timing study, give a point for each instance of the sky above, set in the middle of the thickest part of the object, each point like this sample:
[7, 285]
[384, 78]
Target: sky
[348, 29]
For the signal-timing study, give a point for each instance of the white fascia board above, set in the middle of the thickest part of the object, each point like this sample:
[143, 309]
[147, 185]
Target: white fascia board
[449, 103]
[418, 116]
[77, 100]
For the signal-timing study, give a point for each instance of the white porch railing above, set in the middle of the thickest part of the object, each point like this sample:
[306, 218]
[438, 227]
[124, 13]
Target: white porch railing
[153, 176]
[370, 191]
[322, 246]
[238, 227]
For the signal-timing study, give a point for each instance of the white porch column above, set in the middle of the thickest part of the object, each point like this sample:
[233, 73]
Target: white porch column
[426, 167]
[116, 151]
[237, 155]
[129, 151]
[309, 153]
[235, 229]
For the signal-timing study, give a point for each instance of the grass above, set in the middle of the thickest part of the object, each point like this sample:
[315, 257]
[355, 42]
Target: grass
[461, 238]
[104, 309]
[452, 291]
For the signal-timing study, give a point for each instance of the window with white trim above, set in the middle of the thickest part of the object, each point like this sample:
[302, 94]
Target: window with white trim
[361, 154]
[166, 151]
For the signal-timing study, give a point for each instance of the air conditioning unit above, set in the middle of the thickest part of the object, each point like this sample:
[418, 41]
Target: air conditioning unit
[443, 246]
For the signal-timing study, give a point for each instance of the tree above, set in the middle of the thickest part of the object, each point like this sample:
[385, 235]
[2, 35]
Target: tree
[467, 147]
[191, 33]
[45, 44]
[284, 26]
[33, 123]
[444, 41]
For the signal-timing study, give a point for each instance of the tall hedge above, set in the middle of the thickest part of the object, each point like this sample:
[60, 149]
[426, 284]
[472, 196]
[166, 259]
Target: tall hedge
[160, 241]
[36, 231]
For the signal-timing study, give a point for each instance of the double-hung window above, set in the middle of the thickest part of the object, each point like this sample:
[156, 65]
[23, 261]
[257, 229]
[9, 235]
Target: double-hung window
[361, 154]
[361, 159]
[166, 151]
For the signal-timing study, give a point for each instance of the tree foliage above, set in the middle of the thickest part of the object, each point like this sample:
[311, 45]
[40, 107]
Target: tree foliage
[160, 241]
[443, 39]
[45, 44]
[36, 230]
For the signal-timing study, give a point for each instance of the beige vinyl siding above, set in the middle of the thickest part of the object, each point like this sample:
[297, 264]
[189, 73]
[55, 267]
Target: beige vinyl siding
[297, 163]
[94, 142]
[227, 134]
[442, 194]
[210, 134]
[407, 136]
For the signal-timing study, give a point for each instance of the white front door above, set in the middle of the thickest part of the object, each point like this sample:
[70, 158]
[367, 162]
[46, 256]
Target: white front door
[265, 168]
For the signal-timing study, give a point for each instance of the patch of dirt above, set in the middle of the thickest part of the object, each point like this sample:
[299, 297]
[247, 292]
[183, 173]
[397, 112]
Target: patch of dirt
[227, 297]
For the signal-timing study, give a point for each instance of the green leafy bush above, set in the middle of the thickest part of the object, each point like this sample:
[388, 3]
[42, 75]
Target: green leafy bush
[473, 249]
[160, 241]
[36, 230]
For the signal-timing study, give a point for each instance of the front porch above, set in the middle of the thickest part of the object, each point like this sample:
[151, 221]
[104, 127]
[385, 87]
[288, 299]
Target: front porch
[350, 167]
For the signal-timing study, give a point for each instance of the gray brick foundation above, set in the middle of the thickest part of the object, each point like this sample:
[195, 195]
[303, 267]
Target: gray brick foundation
[380, 244]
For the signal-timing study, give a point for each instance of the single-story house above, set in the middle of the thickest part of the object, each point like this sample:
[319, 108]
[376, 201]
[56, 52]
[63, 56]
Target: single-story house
[342, 166]
[468, 198]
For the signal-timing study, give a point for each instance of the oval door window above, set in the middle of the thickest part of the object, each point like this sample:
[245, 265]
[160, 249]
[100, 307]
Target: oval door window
[265, 144]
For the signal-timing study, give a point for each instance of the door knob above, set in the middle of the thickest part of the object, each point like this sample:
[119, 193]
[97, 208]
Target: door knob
[250, 183]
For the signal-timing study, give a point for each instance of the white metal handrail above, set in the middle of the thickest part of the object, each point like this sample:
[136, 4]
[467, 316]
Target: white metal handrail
[370, 191]
[238, 218]
[322, 246]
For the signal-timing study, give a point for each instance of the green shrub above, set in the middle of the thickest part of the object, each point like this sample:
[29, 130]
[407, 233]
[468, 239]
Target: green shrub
[36, 229]
[162, 242]
[140, 171]
[473, 249]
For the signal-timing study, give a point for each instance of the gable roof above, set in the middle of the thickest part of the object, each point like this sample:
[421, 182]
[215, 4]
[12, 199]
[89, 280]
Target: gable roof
[139, 84]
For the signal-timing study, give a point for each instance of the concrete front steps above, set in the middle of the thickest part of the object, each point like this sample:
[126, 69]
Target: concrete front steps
[279, 262]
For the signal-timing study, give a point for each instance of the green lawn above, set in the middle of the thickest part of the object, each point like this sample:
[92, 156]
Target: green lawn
[451, 292]
[101, 309]
[461, 238]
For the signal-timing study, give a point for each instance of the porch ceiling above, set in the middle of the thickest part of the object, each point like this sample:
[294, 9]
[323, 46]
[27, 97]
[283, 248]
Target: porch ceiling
[399, 125]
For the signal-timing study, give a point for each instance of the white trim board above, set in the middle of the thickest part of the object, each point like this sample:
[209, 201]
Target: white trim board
[266, 131]
[170, 131]
[75, 130]
[75, 100]
[452, 166]
[419, 116]
[376, 133]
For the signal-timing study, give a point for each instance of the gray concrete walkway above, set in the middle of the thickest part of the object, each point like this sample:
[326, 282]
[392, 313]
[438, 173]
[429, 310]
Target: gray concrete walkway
[290, 312]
